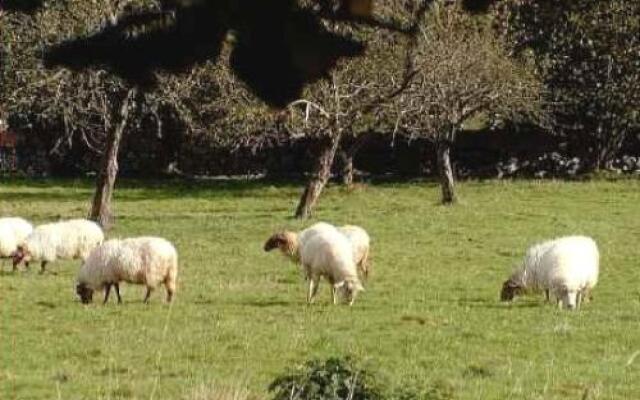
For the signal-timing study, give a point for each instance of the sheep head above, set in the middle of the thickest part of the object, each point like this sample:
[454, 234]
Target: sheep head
[21, 254]
[287, 242]
[349, 289]
[85, 293]
[510, 289]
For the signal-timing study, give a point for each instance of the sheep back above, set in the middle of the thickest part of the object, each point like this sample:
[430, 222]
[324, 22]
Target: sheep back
[66, 239]
[149, 261]
[360, 243]
[564, 266]
[572, 264]
[328, 252]
[13, 231]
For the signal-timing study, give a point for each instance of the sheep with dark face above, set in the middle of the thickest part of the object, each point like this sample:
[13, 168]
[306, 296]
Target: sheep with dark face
[13, 231]
[71, 239]
[149, 261]
[323, 252]
[566, 268]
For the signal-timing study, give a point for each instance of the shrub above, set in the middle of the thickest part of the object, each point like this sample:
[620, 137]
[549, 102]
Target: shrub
[333, 379]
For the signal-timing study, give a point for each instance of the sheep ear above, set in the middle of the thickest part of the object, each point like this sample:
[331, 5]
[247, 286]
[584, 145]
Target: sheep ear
[339, 284]
[274, 242]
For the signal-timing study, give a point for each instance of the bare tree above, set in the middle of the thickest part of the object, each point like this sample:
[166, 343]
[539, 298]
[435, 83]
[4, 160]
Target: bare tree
[89, 105]
[101, 205]
[348, 103]
[462, 70]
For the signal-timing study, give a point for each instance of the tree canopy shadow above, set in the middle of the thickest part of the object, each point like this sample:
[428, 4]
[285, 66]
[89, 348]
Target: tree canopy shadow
[277, 46]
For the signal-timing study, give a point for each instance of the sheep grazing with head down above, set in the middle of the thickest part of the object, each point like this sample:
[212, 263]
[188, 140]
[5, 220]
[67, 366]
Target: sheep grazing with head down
[566, 268]
[148, 261]
[70, 239]
[13, 231]
[360, 242]
[323, 252]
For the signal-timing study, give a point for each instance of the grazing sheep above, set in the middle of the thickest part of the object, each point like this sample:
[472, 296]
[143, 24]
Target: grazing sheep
[289, 242]
[323, 251]
[147, 260]
[65, 239]
[360, 246]
[13, 231]
[566, 268]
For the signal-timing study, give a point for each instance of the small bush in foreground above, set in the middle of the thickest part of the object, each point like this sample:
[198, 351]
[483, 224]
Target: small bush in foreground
[333, 379]
[343, 379]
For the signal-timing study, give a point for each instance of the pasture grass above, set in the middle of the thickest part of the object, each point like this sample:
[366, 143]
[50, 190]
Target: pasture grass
[430, 315]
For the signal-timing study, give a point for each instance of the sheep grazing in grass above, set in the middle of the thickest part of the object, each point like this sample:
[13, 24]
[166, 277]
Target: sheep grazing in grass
[13, 231]
[289, 242]
[566, 268]
[323, 252]
[69, 239]
[360, 243]
[148, 261]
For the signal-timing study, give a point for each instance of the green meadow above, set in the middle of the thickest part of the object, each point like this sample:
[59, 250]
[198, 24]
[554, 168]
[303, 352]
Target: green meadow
[430, 314]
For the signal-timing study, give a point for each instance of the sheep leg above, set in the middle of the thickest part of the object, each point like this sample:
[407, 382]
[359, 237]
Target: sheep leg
[547, 295]
[117, 287]
[107, 290]
[146, 297]
[169, 295]
[43, 266]
[313, 289]
[578, 299]
[170, 285]
[364, 265]
[587, 296]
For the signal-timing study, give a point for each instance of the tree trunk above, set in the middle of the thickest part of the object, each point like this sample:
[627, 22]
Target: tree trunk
[348, 156]
[445, 171]
[101, 206]
[319, 179]
[347, 168]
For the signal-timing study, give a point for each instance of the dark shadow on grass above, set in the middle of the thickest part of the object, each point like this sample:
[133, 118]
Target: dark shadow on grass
[138, 189]
[43, 196]
[266, 303]
[497, 304]
[170, 188]
[413, 318]
[205, 302]
[46, 304]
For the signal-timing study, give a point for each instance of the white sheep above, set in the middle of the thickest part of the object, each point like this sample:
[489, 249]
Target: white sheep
[360, 243]
[148, 261]
[69, 239]
[323, 252]
[290, 242]
[13, 231]
[566, 268]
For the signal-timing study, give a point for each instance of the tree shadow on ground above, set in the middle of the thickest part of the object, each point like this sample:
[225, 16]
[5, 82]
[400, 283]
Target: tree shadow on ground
[497, 304]
[81, 190]
[267, 303]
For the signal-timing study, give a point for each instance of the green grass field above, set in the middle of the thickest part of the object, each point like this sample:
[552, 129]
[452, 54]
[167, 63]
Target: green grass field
[430, 314]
